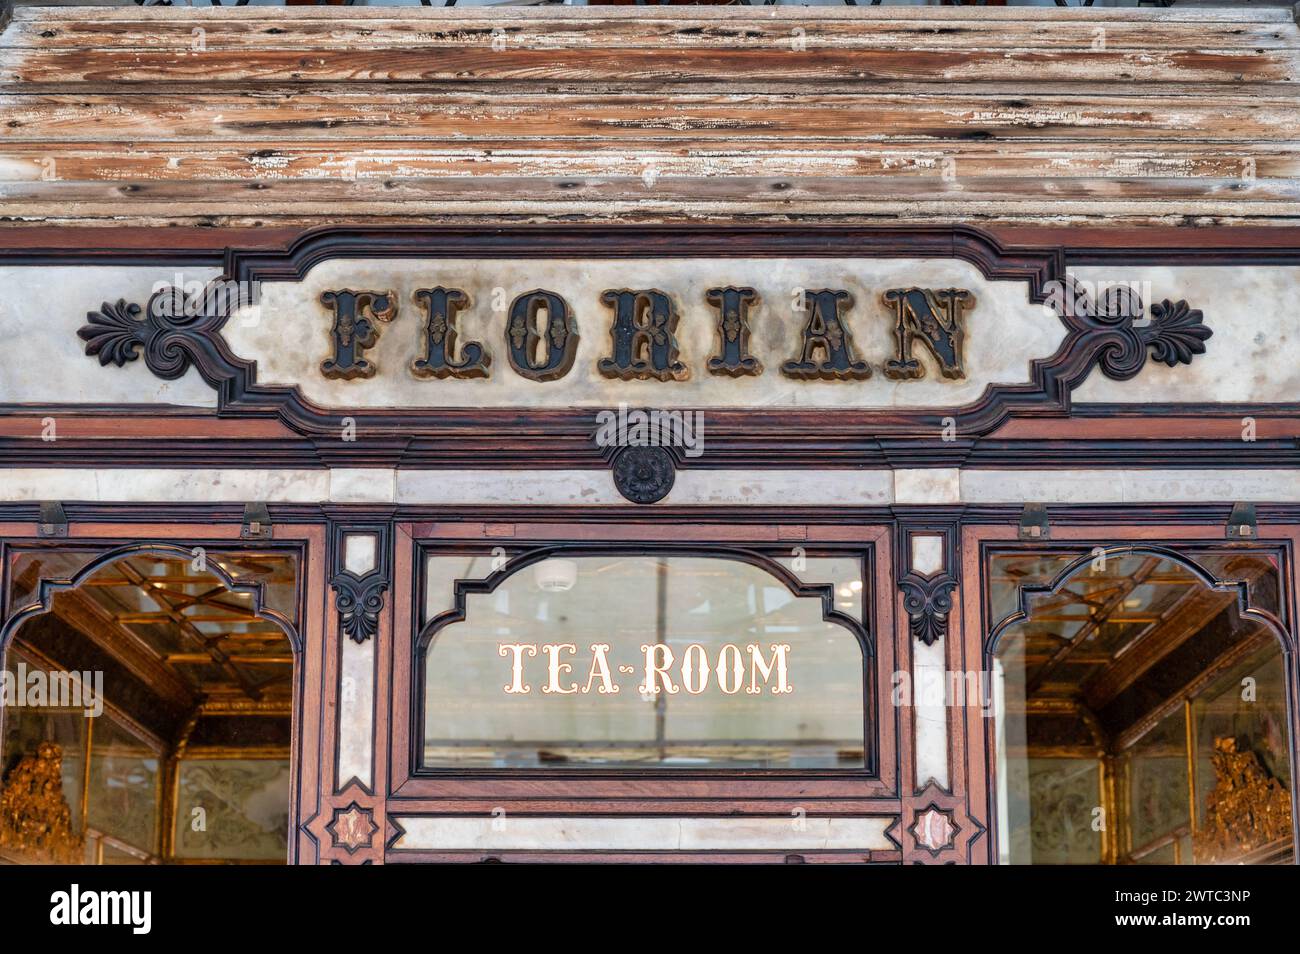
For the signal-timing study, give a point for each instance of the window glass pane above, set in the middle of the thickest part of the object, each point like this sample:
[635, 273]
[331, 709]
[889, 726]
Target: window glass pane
[1259, 571]
[123, 785]
[1062, 794]
[1011, 571]
[1157, 780]
[442, 572]
[26, 727]
[1241, 761]
[715, 692]
[244, 806]
[151, 650]
[1094, 692]
[842, 572]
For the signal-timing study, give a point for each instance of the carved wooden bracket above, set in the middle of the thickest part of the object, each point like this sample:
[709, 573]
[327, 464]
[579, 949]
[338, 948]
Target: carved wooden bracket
[1106, 329]
[359, 598]
[173, 332]
[928, 601]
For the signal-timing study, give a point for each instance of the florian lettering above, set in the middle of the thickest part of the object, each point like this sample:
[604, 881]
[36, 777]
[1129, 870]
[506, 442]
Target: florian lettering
[827, 351]
[356, 328]
[644, 336]
[542, 338]
[444, 356]
[695, 671]
[541, 349]
[937, 320]
[733, 358]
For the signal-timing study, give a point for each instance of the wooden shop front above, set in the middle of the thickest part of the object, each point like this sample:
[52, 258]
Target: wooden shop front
[797, 435]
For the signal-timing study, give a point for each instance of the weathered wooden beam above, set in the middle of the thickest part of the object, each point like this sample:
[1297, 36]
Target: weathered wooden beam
[294, 117]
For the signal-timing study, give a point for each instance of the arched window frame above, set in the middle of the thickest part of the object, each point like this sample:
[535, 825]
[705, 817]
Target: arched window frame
[825, 593]
[992, 631]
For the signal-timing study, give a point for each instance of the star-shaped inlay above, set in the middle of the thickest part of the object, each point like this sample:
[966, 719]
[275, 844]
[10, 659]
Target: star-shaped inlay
[933, 829]
[353, 827]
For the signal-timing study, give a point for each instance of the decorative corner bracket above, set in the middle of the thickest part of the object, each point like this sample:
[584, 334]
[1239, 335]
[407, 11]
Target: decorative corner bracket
[173, 332]
[1174, 335]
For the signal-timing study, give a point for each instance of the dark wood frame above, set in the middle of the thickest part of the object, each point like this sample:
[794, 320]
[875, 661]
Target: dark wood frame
[757, 556]
[631, 792]
[885, 530]
[309, 720]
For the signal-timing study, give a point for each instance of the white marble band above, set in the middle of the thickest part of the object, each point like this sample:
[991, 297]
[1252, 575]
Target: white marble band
[508, 833]
[876, 487]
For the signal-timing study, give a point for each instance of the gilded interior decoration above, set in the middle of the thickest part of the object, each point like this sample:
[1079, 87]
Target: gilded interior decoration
[35, 818]
[1246, 810]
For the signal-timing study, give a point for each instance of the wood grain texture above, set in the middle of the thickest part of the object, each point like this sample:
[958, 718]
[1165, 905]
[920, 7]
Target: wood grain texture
[302, 116]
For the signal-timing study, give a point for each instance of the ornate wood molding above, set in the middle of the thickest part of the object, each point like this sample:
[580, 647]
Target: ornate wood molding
[174, 333]
[928, 601]
[643, 475]
[938, 828]
[352, 828]
[929, 592]
[534, 554]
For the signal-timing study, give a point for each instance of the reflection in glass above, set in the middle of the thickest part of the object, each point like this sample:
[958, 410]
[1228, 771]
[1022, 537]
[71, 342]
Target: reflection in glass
[124, 778]
[175, 745]
[1141, 716]
[244, 805]
[671, 661]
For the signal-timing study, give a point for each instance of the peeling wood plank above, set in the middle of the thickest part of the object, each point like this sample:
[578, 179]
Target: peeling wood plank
[864, 15]
[644, 67]
[303, 116]
[181, 221]
[313, 117]
[323, 196]
[686, 31]
[127, 161]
